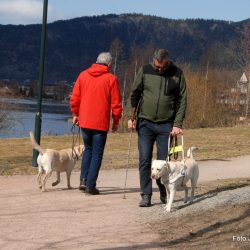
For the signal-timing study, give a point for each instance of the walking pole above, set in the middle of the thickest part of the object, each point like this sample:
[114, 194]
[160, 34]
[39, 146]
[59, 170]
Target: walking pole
[129, 151]
[128, 162]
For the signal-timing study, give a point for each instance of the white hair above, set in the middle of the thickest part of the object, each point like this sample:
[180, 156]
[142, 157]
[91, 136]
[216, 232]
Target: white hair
[104, 58]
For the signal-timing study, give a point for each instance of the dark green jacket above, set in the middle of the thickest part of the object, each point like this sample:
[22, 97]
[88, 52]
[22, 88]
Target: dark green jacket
[163, 97]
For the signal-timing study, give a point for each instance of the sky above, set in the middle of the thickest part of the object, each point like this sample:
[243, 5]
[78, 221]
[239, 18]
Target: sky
[30, 11]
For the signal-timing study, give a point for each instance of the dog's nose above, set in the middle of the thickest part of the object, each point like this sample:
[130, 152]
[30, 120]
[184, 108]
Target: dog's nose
[152, 176]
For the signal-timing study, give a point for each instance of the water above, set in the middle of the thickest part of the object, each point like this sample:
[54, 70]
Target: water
[31, 105]
[55, 118]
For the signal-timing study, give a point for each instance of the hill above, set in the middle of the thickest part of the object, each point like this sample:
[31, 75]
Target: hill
[74, 44]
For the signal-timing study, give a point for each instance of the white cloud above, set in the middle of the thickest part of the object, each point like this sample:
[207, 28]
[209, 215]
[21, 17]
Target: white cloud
[23, 11]
[27, 8]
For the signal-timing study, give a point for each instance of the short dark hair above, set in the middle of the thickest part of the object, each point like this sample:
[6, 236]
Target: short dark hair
[161, 55]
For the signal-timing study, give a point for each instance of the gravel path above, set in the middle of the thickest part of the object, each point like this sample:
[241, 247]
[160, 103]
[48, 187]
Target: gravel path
[69, 219]
[204, 203]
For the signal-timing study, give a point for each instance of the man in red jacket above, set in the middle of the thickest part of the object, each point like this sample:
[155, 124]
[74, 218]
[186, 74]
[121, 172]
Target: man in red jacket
[95, 96]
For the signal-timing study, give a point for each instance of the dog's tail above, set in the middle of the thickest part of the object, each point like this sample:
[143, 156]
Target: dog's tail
[190, 152]
[34, 144]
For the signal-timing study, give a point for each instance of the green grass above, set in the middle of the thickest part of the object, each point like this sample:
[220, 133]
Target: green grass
[213, 143]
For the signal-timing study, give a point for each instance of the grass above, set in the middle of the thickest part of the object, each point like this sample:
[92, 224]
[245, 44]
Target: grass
[213, 143]
[222, 185]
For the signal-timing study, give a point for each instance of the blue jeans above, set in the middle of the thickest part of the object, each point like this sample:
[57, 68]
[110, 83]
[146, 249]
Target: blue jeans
[94, 143]
[148, 134]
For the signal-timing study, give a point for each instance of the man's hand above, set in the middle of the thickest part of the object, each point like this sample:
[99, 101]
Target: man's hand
[75, 120]
[131, 124]
[176, 131]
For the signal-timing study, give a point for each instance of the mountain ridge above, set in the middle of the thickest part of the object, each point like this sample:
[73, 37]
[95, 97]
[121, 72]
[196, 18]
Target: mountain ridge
[72, 45]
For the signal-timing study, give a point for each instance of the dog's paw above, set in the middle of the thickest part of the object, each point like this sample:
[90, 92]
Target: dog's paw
[168, 209]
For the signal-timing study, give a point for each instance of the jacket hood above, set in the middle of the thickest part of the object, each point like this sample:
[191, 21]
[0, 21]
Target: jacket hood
[98, 69]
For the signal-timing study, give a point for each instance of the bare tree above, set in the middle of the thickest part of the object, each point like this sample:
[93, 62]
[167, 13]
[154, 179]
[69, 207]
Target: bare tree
[239, 49]
[244, 56]
[243, 59]
[116, 49]
[205, 93]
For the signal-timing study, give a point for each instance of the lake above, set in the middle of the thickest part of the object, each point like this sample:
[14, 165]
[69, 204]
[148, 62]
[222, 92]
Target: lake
[54, 118]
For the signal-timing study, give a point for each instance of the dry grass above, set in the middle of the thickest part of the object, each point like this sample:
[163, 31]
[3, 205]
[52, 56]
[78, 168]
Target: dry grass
[213, 143]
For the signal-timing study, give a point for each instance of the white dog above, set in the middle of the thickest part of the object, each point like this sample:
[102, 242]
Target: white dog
[175, 175]
[61, 161]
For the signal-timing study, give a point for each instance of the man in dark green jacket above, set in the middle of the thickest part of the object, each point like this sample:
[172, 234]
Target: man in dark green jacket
[159, 94]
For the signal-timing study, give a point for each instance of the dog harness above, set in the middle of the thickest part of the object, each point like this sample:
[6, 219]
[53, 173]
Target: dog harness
[181, 174]
[173, 150]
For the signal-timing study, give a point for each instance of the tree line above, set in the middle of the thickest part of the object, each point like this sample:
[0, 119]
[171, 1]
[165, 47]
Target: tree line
[210, 80]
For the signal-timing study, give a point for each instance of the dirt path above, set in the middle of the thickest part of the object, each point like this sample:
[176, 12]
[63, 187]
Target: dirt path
[69, 219]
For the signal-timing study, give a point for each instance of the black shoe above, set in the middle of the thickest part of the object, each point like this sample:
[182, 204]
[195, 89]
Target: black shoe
[82, 186]
[145, 201]
[93, 191]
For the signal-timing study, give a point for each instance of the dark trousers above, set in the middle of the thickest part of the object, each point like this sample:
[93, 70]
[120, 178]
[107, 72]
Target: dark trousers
[94, 143]
[148, 134]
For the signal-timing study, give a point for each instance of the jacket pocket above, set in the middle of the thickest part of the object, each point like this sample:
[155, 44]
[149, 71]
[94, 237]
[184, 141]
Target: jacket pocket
[171, 86]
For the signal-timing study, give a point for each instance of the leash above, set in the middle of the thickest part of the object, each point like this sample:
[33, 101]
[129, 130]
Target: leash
[75, 137]
[172, 145]
[174, 148]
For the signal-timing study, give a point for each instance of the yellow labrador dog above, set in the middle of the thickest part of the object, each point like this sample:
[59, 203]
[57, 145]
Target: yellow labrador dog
[175, 175]
[58, 160]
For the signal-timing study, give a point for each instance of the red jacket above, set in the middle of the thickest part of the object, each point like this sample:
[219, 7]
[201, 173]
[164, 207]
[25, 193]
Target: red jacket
[95, 95]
